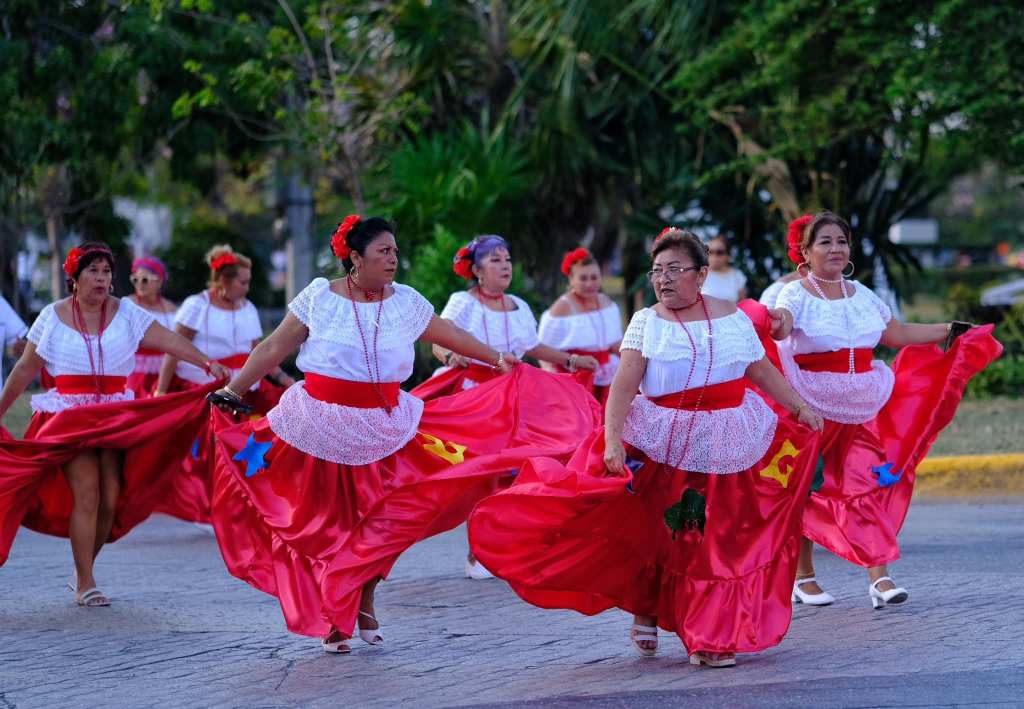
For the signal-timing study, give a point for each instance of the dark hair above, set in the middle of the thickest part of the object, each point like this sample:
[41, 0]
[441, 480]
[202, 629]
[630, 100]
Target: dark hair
[94, 251]
[685, 241]
[822, 219]
[363, 234]
[720, 237]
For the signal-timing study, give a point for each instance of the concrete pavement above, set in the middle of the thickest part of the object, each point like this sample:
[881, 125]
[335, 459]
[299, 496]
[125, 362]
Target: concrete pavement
[183, 633]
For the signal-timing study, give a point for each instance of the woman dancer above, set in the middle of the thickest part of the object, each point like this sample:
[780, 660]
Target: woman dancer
[490, 314]
[225, 325]
[685, 509]
[148, 277]
[879, 425]
[93, 462]
[585, 322]
[314, 503]
[723, 281]
[794, 233]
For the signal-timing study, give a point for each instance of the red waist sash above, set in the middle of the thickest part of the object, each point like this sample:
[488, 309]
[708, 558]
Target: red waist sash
[601, 356]
[147, 351]
[360, 395]
[235, 361]
[86, 384]
[726, 395]
[480, 373]
[838, 361]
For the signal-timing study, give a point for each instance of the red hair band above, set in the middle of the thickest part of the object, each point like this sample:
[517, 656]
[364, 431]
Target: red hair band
[228, 259]
[76, 255]
[572, 257]
[339, 241]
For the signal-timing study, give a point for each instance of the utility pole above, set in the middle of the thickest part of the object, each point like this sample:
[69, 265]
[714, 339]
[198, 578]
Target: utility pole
[300, 246]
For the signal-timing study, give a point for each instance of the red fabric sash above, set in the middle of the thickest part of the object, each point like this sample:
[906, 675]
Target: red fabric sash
[601, 356]
[479, 373]
[725, 395]
[148, 351]
[86, 384]
[235, 361]
[360, 395]
[838, 361]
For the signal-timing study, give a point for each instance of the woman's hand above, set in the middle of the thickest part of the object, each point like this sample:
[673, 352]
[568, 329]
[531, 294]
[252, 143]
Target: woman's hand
[809, 418]
[285, 380]
[781, 323]
[219, 371]
[615, 458]
[507, 362]
[457, 360]
[587, 362]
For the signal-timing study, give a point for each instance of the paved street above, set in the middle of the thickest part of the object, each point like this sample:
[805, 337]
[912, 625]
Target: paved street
[183, 633]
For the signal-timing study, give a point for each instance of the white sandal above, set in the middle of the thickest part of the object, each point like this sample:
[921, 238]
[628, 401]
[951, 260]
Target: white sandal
[92, 598]
[340, 647]
[880, 599]
[713, 659]
[372, 637]
[651, 632]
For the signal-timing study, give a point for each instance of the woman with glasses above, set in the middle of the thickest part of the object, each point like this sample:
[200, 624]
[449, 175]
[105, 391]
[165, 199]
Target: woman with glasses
[879, 421]
[684, 510]
[148, 277]
[585, 322]
[223, 323]
[723, 280]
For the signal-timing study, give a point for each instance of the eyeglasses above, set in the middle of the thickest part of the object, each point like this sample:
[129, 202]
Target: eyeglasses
[671, 273]
[143, 280]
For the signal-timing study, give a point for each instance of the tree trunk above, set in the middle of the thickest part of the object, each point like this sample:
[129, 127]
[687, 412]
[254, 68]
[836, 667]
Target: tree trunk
[300, 247]
[54, 196]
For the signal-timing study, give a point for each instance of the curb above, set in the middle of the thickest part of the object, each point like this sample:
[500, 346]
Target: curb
[996, 474]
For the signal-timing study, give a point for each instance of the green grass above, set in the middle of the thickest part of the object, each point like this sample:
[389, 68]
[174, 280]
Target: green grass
[980, 427]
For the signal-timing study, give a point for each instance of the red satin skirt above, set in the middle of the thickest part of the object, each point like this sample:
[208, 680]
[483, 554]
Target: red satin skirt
[572, 537]
[35, 493]
[859, 508]
[586, 377]
[313, 532]
[190, 493]
[453, 381]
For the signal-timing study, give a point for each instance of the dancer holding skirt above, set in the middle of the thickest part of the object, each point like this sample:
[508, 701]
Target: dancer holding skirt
[684, 510]
[314, 503]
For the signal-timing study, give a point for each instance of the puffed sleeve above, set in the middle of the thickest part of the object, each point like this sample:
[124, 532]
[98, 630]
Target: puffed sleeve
[792, 299]
[459, 309]
[633, 339]
[139, 319]
[883, 309]
[302, 304]
[190, 314]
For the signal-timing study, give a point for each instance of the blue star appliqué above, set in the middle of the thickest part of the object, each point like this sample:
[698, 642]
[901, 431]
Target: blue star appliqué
[885, 475]
[195, 449]
[252, 455]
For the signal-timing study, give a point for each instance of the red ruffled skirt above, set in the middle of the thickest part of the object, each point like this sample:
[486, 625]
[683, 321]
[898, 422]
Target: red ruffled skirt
[190, 494]
[34, 491]
[572, 537]
[453, 381]
[859, 508]
[313, 532]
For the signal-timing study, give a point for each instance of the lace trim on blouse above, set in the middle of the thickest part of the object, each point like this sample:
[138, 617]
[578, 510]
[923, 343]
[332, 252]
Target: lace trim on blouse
[861, 318]
[736, 342]
[52, 402]
[723, 441]
[839, 396]
[468, 313]
[343, 434]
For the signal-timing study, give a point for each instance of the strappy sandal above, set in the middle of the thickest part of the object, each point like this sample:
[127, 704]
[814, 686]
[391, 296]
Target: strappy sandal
[92, 598]
[371, 637]
[651, 633]
[338, 647]
[713, 659]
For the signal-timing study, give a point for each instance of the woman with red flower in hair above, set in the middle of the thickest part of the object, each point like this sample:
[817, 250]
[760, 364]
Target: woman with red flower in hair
[585, 322]
[315, 502]
[94, 462]
[879, 421]
[490, 314]
[224, 324]
[148, 276]
[794, 235]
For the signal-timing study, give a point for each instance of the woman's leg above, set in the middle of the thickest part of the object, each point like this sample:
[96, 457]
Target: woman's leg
[645, 641]
[83, 476]
[111, 462]
[805, 567]
[367, 617]
[877, 572]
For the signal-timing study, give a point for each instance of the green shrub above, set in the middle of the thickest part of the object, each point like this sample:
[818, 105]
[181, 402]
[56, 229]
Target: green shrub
[1004, 377]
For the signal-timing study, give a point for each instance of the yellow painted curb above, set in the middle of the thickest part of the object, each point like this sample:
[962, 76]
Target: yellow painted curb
[997, 474]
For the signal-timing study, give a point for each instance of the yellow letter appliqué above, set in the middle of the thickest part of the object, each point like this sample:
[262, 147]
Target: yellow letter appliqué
[779, 469]
[446, 450]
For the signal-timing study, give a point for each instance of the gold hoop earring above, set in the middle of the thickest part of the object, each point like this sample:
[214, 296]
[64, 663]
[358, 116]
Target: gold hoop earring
[852, 269]
[802, 265]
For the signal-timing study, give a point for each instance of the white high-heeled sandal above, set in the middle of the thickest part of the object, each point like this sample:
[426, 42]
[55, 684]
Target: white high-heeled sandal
[880, 599]
[713, 659]
[477, 571]
[811, 599]
[644, 633]
[339, 647]
[371, 637]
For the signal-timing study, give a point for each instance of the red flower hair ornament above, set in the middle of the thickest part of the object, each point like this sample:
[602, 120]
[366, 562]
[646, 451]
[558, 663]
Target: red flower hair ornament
[339, 242]
[228, 259]
[71, 262]
[572, 257]
[666, 231]
[794, 235]
[462, 264]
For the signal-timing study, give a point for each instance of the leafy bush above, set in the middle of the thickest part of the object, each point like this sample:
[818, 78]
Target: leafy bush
[1004, 377]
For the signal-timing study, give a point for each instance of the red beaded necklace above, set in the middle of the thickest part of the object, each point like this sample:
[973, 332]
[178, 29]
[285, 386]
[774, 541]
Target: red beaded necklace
[594, 318]
[78, 319]
[500, 298]
[372, 369]
[686, 386]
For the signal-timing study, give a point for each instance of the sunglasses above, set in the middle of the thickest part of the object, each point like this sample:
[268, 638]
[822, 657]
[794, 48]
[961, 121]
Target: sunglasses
[141, 280]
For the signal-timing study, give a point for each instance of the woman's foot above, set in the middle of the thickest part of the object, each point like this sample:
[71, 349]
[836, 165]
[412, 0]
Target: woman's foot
[884, 592]
[713, 659]
[336, 643]
[644, 635]
[369, 629]
[806, 590]
[91, 598]
[476, 570]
